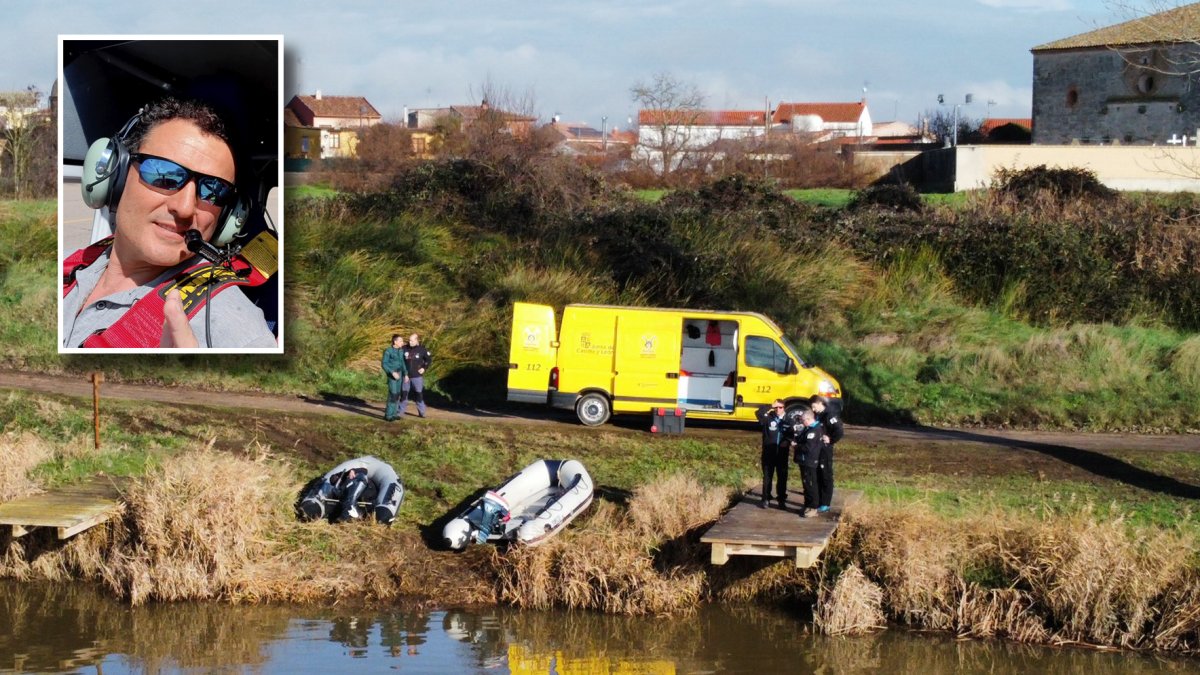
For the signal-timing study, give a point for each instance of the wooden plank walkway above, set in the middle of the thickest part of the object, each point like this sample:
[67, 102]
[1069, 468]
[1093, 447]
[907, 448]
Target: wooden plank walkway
[747, 529]
[70, 509]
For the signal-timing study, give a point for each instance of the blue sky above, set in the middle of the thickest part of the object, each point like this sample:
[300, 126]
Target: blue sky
[579, 58]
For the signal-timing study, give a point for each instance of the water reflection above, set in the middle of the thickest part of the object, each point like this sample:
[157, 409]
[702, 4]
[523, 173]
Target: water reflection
[49, 628]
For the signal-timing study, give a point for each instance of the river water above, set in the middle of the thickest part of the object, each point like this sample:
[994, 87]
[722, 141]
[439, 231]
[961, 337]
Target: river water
[48, 628]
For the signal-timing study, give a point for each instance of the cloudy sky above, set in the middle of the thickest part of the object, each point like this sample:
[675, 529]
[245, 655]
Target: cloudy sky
[579, 58]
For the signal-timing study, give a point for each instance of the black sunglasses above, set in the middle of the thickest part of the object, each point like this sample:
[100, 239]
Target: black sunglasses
[164, 174]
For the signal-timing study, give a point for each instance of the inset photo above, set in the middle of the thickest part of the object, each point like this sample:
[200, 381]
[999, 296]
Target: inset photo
[170, 217]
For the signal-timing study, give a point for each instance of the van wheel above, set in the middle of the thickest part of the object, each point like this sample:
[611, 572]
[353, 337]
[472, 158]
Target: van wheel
[593, 409]
[793, 410]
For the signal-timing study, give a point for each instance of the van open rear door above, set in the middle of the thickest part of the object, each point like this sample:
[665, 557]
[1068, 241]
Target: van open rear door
[533, 354]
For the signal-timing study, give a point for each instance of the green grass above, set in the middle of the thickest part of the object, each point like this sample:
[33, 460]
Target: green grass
[310, 192]
[898, 335]
[830, 198]
[650, 196]
[442, 463]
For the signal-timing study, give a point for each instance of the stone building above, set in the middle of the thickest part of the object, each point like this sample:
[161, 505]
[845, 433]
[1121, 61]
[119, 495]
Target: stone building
[1136, 82]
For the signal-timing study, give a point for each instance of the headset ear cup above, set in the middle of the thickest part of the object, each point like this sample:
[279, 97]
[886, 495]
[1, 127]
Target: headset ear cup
[233, 220]
[98, 166]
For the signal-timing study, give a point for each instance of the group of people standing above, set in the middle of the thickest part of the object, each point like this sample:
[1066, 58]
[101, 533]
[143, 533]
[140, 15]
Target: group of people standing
[404, 366]
[807, 440]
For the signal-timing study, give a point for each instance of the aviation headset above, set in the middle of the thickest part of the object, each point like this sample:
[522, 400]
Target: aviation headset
[106, 167]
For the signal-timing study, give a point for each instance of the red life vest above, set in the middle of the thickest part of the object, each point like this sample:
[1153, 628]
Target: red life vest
[141, 325]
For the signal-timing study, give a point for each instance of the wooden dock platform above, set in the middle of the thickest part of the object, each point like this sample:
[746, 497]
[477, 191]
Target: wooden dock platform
[747, 529]
[70, 509]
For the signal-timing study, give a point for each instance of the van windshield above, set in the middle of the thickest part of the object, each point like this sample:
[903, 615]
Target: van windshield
[795, 352]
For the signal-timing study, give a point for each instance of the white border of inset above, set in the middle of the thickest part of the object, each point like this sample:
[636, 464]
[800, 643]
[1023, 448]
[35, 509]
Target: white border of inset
[276, 218]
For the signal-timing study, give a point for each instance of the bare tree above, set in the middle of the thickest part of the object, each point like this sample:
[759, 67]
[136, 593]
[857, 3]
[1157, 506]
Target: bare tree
[940, 123]
[22, 132]
[670, 107]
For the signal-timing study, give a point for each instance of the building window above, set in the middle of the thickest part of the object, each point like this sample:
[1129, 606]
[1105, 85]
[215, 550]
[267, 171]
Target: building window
[1072, 97]
[1146, 83]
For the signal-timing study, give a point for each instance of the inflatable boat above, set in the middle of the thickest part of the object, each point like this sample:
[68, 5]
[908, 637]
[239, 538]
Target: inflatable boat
[529, 507]
[353, 488]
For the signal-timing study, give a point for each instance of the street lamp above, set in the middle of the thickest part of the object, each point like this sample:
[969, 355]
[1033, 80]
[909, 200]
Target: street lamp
[966, 101]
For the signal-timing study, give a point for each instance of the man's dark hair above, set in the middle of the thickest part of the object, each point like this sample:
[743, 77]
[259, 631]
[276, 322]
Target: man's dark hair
[170, 108]
[396, 336]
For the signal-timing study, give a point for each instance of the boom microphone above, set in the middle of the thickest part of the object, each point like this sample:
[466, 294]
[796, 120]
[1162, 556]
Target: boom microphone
[196, 244]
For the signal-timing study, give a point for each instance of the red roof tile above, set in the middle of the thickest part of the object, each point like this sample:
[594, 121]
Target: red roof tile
[991, 124]
[829, 112]
[338, 106]
[718, 118]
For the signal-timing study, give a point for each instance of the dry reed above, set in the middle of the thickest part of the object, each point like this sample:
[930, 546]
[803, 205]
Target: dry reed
[608, 562]
[19, 454]
[852, 606]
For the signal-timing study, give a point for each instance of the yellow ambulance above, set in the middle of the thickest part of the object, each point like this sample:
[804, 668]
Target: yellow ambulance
[605, 360]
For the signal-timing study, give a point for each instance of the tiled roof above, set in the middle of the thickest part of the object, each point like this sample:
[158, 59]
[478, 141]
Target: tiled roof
[716, 118]
[991, 124]
[828, 112]
[339, 106]
[1181, 24]
[290, 119]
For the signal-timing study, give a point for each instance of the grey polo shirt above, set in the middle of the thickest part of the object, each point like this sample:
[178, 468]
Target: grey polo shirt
[236, 322]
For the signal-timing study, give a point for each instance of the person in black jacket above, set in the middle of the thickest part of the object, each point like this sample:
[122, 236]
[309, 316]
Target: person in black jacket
[776, 440]
[417, 358]
[831, 422]
[808, 446]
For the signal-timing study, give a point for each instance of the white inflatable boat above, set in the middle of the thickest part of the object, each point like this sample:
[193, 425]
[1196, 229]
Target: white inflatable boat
[529, 508]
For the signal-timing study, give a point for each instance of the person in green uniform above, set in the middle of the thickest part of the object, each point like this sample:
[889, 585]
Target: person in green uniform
[396, 373]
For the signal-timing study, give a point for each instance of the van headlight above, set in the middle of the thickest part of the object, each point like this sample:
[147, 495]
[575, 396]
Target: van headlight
[826, 388]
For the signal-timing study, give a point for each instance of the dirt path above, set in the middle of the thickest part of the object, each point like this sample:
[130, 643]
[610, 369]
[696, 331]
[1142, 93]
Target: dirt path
[79, 386]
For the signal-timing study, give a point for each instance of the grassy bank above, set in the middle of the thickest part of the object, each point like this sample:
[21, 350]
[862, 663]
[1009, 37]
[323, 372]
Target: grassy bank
[987, 311]
[1032, 545]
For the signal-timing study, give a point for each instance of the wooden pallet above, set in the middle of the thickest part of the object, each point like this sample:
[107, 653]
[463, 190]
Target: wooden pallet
[747, 529]
[70, 509]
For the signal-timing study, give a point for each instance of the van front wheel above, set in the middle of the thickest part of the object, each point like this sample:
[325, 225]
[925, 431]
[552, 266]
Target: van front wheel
[593, 409]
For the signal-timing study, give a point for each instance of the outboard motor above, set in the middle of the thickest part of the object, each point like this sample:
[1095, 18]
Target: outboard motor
[493, 511]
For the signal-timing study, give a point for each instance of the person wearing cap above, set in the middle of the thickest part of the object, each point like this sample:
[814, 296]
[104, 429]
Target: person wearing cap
[831, 423]
[808, 444]
[776, 440]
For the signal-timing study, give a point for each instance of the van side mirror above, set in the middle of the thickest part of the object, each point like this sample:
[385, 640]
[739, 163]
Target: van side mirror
[791, 367]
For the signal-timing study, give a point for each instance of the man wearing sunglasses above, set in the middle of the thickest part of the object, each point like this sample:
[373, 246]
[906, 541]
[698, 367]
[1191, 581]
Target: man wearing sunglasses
[776, 442]
[181, 176]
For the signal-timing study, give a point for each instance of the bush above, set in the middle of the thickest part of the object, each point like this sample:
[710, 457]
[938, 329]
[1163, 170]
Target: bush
[891, 196]
[1072, 183]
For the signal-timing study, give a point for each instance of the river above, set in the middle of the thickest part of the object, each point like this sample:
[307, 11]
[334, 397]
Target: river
[51, 628]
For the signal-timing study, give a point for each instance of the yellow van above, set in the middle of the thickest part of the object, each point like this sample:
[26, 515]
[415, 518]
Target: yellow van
[604, 360]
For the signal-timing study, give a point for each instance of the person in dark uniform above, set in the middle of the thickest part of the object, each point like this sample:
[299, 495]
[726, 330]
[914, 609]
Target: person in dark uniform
[808, 446]
[776, 441]
[396, 372]
[417, 358]
[831, 422]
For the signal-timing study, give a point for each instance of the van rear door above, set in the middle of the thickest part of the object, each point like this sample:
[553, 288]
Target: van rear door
[532, 354]
[647, 361]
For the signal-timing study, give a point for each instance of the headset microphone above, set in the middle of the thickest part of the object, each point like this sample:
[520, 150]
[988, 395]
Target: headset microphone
[196, 244]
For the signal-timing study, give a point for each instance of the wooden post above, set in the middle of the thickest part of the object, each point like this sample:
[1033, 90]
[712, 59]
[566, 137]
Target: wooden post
[97, 378]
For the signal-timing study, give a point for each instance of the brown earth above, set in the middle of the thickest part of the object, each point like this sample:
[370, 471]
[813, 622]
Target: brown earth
[1045, 455]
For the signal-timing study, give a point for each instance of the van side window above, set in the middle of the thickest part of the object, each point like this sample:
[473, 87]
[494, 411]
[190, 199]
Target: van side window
[765, 353]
